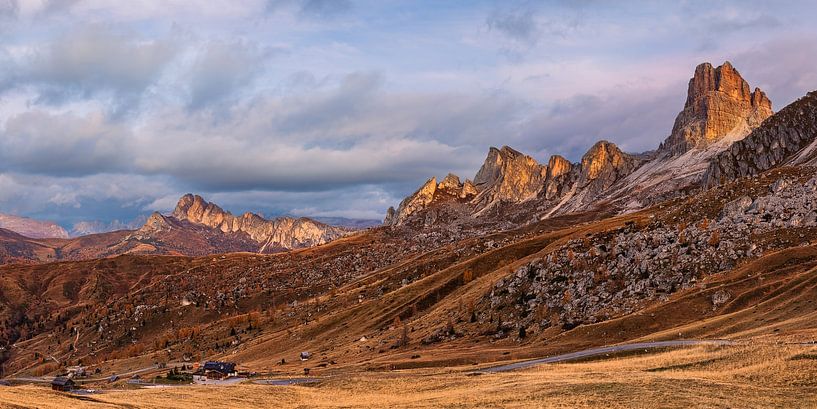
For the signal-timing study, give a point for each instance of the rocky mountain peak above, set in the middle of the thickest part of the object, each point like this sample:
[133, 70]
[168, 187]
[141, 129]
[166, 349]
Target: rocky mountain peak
[417, 201]
[197, 210]
[558, 166]
[450, 183]
[787, 138]
[283, 232]
[508, 175]
[719, 103]
[560, 172]
[604, 164]
[155, 224]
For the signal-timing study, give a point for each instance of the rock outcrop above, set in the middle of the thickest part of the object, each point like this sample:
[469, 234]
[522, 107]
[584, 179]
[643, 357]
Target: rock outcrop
[788, 137]
[274, 234]
[604, 275]
[719, 110]
[508, 176]
[559, 178]
[719, 102]
[603, 165]
[450, 189]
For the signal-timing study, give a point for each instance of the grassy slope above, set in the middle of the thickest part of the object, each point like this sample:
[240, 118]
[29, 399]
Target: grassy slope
[758, 375]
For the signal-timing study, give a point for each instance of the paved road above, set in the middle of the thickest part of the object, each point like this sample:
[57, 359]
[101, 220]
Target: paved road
[286, 382]
[599, 351]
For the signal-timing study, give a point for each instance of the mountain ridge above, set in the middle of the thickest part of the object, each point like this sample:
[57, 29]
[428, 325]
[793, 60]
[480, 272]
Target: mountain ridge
[32, 228]
[719, 110]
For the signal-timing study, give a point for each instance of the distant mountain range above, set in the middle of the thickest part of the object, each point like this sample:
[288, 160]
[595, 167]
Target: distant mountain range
[196, 227]
[37, 229]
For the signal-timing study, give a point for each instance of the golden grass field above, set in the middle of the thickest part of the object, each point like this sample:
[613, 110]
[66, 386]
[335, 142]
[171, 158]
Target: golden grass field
[760, 375]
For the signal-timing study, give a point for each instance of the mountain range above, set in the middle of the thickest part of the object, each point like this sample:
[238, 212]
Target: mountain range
[709, 236]
[196, 227]
[720, 109]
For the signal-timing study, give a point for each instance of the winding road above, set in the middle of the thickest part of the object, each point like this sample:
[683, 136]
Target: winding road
[600, 351]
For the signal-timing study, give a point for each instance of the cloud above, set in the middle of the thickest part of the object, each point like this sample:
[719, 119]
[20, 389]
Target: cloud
[221, 70]
[68, 200]
[519, 25]
[93, 62]
[128, 105]
[783, 67]
[9, 8]
[325, 8]
[316, 9]
[39, 142]
[637, 120]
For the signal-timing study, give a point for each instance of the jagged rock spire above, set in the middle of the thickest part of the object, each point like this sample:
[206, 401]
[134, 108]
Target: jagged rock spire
[719, 103]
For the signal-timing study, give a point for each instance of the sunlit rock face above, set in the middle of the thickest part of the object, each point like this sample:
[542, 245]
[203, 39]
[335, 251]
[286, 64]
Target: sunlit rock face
[510, 176]
[789, 137]
[719, 102]
[559, 179]
[603, 165]
[417, 201]
[449, 189]
[282, 232]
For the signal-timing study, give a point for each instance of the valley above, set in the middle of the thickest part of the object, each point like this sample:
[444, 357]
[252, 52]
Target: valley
[702, 248]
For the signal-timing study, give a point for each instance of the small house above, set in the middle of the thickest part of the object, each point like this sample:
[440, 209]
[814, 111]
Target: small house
[62, 384]
[219, 370]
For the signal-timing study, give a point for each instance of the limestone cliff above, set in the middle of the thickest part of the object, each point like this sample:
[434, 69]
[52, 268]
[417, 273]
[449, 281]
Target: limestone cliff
[719, 102]
[273, 234]
[787, 138]
[449, 189]
[603, 165]
[508, 176]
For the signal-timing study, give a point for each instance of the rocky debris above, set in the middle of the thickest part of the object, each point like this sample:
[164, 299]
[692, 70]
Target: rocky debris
[740, 204]
[788, 137]
[720, 297]
[35, 229]
[272, 235]
[719, 101]
[614, 273]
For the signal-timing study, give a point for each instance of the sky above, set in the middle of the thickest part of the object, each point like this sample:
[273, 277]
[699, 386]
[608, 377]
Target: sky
[340, 108]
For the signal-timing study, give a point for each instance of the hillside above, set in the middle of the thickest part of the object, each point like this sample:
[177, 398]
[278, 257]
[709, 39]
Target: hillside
[464, 272]
[470, 295]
